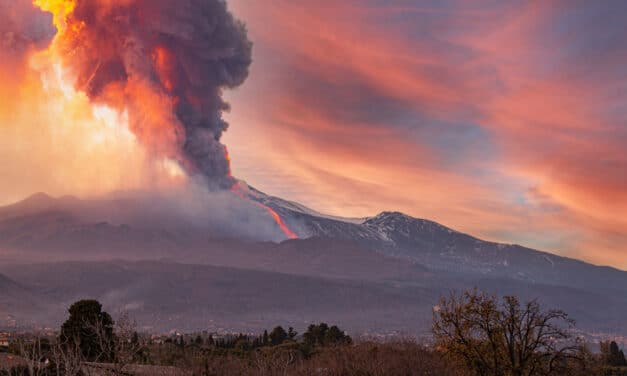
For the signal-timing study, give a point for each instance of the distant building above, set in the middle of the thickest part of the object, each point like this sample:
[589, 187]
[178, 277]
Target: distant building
[4, 341]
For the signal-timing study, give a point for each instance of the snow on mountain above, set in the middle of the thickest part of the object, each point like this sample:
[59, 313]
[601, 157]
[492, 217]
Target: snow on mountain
[441, 248]
[391, 257]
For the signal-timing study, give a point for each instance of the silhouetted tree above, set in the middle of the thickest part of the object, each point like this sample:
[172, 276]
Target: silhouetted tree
[503, 338]
[335, 336]
[265, 340]
[278, 336]
[612, 355]
[315, 334]
[86, 328]
[322, 335]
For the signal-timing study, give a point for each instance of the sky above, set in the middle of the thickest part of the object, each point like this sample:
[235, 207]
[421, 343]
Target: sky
[503, 119]
[506, 120]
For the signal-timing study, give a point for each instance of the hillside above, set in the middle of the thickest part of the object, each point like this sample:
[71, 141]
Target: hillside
[383, 273]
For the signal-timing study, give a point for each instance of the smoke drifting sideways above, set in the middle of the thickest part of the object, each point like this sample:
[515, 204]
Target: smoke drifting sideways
[165, 63]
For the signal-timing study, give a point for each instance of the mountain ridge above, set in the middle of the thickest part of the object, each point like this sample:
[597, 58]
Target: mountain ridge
[391, 255]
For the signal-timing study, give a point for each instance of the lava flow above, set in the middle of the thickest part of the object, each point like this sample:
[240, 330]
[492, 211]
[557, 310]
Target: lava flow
[235, 188]
[275, 216]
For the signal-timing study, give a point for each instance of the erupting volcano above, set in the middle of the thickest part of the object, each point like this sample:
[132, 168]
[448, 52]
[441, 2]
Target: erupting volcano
[165, 65]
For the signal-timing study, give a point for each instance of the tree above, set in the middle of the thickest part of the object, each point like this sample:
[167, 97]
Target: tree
[33, 352]
[265, 340]
[315, 334]
[612, 355]
[82, 329]
[503, 338]
[278, 336]
[335, 336]
[126, 345]
[322, 335]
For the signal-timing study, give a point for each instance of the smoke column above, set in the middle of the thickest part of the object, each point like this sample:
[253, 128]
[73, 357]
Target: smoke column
[165, 64]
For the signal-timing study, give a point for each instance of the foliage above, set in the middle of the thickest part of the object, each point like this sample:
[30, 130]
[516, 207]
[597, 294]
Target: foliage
[90, 329]
[482, 334]
[612, 355]
[322, 335]
[504, 338]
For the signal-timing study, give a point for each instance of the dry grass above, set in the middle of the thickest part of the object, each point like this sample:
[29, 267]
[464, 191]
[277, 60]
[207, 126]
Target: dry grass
[363, 359]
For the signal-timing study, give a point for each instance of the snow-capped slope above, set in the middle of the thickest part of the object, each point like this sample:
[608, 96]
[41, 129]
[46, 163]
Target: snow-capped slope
[390, 268]
[440, 248]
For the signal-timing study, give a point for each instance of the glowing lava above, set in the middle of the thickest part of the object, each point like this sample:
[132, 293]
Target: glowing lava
[275, 216]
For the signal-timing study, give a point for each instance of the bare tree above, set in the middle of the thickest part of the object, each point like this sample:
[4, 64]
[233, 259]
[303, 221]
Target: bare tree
[127, 345]
[492, 337]
[67, 357]
[123, 347]
[31, 350]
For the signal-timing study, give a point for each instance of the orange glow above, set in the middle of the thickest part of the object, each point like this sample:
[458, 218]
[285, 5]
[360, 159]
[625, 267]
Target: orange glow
[554, 115]
[59, 8]
[235, 188]
[275, 216]
[58, 141]
[227, 156]
[348, 135]
[164, 64]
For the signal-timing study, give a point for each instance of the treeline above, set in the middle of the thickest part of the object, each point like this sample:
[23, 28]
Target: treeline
[474, 334]
[316, 335]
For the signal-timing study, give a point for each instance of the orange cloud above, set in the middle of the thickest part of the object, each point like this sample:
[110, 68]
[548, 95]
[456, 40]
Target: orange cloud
[453, 112]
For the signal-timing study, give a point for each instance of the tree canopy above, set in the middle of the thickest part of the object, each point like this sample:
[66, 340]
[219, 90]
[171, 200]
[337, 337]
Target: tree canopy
[504, 337]
[89, 328]
[323, 335]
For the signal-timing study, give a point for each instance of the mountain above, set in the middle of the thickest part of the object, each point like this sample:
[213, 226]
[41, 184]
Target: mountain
[174, 267]
[172, 296]
[18, 303]
[438, 247]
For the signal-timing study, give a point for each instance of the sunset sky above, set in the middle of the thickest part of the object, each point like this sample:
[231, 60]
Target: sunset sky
[503, 119]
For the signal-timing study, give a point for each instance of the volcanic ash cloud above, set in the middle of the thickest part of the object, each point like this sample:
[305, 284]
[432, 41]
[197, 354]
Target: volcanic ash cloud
[165, 64]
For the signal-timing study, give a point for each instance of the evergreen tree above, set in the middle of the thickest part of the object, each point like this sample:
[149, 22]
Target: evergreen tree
[315, 334]
[322, 335]
[265, 340]
[335, 336]
[278, 336]
[89, 326]
[615, 356]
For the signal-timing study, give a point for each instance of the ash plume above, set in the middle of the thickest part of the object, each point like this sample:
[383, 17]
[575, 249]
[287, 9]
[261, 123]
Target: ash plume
[22, 28]
[166, 63]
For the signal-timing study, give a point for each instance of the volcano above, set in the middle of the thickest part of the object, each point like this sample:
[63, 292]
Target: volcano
[172, 266]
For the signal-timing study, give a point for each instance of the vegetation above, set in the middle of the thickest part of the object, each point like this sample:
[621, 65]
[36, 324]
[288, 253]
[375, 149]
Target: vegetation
[492, 337]
[612, 355]
[475, 335]
[90, 329]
